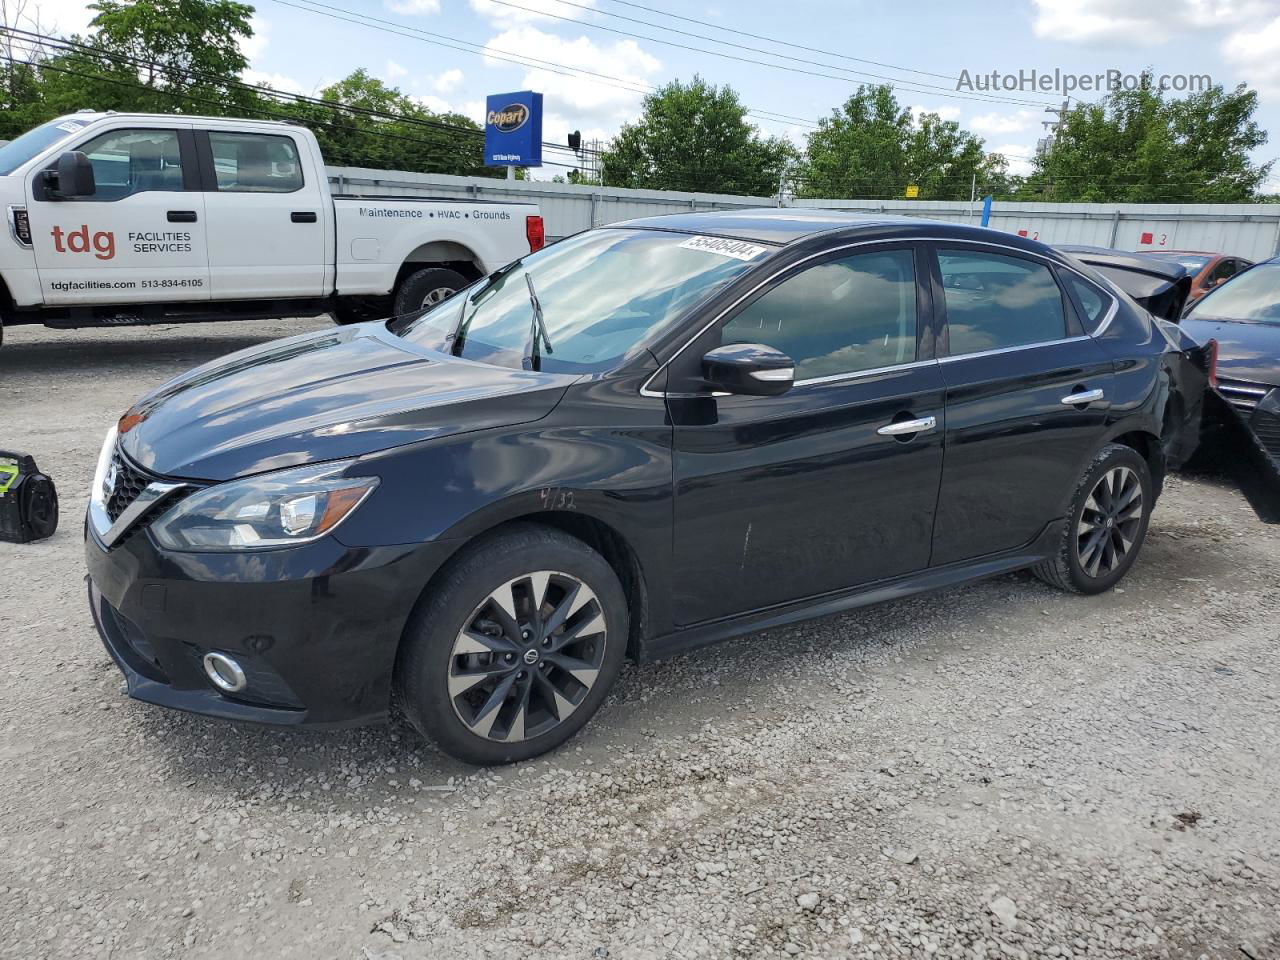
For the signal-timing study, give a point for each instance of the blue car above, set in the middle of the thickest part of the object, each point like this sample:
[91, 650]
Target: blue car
[1243, 316]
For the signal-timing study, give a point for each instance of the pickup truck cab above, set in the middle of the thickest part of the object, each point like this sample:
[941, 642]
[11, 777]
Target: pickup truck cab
[118, 218]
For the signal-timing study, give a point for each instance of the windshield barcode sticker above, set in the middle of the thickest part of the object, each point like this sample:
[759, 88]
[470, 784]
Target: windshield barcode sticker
[738, 249]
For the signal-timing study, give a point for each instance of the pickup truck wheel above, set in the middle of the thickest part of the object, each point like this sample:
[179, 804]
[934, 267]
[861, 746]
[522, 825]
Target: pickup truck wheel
[514, 648]
[425, 288]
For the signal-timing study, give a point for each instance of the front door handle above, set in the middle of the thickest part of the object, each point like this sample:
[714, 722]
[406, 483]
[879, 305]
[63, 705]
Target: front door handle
[182, 216]
[1083, 398]
[303, 216]
[901, 428]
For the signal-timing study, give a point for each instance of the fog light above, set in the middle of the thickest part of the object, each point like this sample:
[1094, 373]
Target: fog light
[224, 672]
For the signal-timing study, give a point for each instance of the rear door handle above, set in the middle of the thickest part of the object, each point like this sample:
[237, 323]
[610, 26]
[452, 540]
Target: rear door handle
[903, 427]
[303, 216]
[182, 216]
[1083, 397]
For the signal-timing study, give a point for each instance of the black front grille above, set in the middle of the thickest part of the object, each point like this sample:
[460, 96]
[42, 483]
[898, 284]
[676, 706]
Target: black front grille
[130, 482]
[1267, 426]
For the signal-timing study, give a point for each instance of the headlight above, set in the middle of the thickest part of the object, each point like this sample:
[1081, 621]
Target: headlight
[98, 493]
[271, 510]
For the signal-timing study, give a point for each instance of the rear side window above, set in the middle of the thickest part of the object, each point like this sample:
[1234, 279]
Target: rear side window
[1093, 302]
[856, 313]
[995, 301]
[255, 163]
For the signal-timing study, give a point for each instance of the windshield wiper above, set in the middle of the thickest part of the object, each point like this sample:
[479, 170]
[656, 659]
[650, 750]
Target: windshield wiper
[538, 329]
[457, 339]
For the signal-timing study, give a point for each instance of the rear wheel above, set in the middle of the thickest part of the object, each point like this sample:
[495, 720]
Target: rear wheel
[515, 648]
[1107, 525]
[425, 288]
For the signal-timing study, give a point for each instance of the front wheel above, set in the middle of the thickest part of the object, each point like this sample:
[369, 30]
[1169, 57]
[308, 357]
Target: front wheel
[515, 648]
[425, 288]
[1107, 525]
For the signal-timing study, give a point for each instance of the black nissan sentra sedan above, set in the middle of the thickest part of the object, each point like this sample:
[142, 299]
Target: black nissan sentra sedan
[644, 438]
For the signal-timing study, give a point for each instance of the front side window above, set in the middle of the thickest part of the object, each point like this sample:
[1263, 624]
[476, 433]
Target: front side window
[603, 293]
[255, 163]
[126, 162]
[856, 313]
[994, 301]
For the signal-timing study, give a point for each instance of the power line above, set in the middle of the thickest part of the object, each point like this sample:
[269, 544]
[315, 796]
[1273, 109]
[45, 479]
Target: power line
[506, 56]
[784, 43]
[739, 46]
[938, 92]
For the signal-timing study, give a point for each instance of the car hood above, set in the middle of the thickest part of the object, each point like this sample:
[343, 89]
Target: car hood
[323, 396]
[1246, 351]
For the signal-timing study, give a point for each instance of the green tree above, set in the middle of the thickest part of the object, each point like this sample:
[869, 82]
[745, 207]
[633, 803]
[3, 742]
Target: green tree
[1139, 146]
[410, 138]
[696, 137]
[873, 147]
[159, 56]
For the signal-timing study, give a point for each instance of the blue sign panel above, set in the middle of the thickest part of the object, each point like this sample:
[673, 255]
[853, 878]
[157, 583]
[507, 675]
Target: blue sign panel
[513, 130]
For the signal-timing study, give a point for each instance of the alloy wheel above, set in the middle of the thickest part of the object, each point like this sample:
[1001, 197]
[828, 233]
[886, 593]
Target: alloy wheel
[435, 296]
[1109, 523]
[527, 656]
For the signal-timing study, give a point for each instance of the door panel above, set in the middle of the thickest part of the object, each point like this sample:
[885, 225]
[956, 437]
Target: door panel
[1014, 449]
[140, 238]
[780, 498]
[267, 228]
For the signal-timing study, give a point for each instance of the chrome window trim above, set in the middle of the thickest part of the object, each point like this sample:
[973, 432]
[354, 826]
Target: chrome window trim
[872, 372]
[645, 390]
[1013, 349]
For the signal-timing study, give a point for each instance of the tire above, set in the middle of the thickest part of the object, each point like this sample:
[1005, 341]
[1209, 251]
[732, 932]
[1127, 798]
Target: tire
[1094, 554]
[425, 288]
[532, 694]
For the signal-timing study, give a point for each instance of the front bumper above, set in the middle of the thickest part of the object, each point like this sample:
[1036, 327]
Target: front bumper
[315, 627]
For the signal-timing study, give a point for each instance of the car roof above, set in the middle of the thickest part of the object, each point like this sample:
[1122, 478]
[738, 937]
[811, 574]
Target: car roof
[788, 225]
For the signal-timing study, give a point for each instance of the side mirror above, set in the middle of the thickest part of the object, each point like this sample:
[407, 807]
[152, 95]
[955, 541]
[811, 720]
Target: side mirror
[72, 178]
[750, 369]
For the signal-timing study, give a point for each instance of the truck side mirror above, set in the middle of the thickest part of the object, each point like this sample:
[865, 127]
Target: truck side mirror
[71, 178]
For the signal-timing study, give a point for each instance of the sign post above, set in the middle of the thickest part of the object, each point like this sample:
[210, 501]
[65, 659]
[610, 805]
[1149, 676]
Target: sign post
[513, 131]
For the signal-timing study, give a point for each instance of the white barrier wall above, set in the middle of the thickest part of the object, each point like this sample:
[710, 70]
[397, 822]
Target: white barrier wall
[566, 208]
[1246, 230]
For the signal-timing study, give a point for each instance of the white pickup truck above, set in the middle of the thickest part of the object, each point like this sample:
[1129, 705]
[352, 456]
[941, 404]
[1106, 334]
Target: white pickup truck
[118, 218]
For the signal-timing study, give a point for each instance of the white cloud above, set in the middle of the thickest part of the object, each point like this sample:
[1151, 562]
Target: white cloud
[276, 81]
[1139, 22]
[1019, 155]
[54, 16]
[532, 10]
[1255, 55]
[587, 100]
[446, 82]
[998, 123]
[253, 47]
[394, 71]
[946, 113]
[411, 8]
[434, 104]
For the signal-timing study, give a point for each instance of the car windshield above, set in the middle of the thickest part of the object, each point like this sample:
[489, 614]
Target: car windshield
[1193, 265]
[1250, 297]
[17, 152]
[602, 293]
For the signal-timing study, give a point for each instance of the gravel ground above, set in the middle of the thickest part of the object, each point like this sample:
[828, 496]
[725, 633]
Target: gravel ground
[995, 771]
